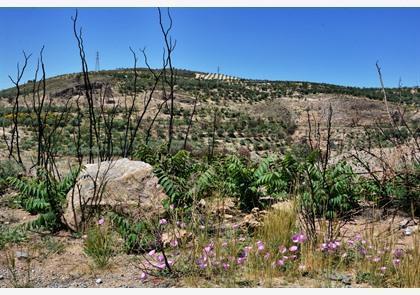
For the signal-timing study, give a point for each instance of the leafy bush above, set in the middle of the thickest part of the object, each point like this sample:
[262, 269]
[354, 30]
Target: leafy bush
[406, 189]
[330, 193]
[137, 235]
[46, 196]
[250, 182]
[8, 168]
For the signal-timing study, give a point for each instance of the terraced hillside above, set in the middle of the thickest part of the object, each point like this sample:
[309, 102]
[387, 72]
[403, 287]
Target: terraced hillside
[256, 115]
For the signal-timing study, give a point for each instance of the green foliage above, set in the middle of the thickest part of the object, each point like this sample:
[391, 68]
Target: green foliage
[138, 236]
[11, 235]
[250, 182]
[402, 191]
[184, 179]
[44, 195]
[99, 245]
[331, 193]
[406, 189]
[8, 168]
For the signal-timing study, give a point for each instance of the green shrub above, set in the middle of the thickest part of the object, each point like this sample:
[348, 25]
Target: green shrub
[99, 245]
[8, 168]
[11, 235]
[46, 196]
[137, 235]
[331, 193]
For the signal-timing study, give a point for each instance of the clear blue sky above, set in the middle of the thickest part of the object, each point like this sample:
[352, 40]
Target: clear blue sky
[337, 46]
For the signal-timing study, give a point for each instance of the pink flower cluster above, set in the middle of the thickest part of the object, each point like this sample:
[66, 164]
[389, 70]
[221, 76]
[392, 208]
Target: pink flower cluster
[331, 246]
[159, 260]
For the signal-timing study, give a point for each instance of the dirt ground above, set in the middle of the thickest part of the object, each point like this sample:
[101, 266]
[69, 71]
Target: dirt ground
[59, 261]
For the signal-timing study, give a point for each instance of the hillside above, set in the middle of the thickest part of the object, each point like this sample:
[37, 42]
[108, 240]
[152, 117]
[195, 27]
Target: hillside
[258, 115]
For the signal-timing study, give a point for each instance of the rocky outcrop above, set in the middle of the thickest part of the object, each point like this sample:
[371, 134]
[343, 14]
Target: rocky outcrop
[122, 184]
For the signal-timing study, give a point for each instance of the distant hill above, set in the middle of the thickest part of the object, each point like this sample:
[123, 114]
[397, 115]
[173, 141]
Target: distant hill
[248, 89]
[258, 115]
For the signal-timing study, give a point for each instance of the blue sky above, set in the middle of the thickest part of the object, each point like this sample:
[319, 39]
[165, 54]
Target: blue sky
[332, 45]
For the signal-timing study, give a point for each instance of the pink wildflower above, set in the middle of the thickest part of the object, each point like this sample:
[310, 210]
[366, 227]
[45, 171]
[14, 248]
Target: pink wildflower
[280, 262]
[180, 224]
[240, 260]
[298, 238]
[153, 252]
[293, 248]
[163, 221]
[376, 259]
[101, 221]
[396, 262]
[260, 246]
[282, 249]
[143, 276]
[332, 246]
[398, 253]
[383, 268]
[266, 256]
[174, 243]
[225, 266]
[247, 249]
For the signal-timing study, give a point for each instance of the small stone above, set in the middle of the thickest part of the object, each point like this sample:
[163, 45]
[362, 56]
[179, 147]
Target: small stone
[1, 277]
[21, 255]
[346, 280]
[408, 231]
[98, 281]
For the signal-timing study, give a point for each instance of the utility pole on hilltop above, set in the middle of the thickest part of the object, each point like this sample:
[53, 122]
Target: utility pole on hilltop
[97, 62]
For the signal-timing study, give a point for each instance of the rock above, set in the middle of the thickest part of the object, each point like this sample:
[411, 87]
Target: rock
[410, 230]
[99, 281]
[345, 279]
[21, 255]
[1, 277]
[129, 186]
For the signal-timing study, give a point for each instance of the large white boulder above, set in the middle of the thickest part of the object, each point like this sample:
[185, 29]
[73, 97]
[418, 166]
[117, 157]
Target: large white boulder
[127, 185]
